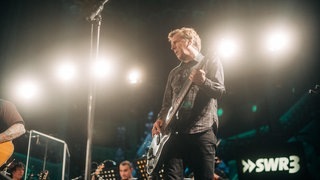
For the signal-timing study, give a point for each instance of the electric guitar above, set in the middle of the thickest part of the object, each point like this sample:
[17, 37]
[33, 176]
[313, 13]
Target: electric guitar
[158, 143]
[6, 150]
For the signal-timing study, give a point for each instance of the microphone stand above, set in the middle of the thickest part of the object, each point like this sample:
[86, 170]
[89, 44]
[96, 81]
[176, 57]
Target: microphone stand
[95, 19]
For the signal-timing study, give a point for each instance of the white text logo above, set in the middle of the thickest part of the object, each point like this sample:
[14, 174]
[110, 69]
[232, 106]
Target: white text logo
[290, 164]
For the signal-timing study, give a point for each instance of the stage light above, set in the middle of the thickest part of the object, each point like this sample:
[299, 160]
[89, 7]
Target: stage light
[101, 69]
[254, 108]
[220, 112]
[134, 77]
[278, 41]
[66, 71]
[28, 89]
[228, 47]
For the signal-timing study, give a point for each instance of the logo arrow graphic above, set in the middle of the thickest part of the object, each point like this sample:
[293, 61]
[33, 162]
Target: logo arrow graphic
[248, 166]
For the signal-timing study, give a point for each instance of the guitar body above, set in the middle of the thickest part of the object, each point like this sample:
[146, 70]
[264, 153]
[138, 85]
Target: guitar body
[155, 153]
[6, 150]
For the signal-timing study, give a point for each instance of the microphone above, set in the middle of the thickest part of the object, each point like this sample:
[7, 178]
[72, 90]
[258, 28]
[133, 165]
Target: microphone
[97, 12]
[38, 140]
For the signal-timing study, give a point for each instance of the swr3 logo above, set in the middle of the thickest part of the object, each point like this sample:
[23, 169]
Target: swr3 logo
[290, 164]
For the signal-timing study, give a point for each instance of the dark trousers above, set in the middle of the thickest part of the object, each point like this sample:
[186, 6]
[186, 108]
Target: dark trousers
[195, 151]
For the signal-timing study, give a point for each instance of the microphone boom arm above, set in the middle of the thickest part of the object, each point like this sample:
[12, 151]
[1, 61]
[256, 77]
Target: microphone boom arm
[97, 12]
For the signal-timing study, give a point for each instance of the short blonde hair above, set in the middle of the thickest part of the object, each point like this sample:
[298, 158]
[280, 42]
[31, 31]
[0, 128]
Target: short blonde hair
[126, 162]
[187, 33]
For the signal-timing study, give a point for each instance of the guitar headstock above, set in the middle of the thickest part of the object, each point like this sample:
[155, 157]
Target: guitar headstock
[44, 175]
[315, 90]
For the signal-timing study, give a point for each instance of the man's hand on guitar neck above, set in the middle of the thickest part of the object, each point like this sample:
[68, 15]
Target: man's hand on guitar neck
[197, 76]
[156, 129]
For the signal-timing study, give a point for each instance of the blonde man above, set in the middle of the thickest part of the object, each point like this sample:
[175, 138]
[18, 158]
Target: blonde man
[193, 132]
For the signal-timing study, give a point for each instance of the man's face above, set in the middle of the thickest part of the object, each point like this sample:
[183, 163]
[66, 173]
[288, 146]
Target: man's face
[18, 173]
[125, 172]
[179, 47]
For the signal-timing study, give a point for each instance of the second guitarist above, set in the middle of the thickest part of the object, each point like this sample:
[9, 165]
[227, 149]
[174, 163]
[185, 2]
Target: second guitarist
[11, 127]
[192, 139]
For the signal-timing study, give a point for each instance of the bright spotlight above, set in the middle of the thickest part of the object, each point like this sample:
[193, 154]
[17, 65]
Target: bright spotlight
[28, 89]
[134, 77]
[227, 47]
[101, 69]
[277, 41]
[66, 72]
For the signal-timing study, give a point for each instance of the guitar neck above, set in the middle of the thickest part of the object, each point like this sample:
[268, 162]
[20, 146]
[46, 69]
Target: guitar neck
[177, 103]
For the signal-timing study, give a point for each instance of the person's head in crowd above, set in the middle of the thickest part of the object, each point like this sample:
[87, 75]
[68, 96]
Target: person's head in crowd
[17, 171]
[125, 169]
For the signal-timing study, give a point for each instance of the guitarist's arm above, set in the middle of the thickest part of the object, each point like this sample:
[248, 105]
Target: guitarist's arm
[210, 80]
[12, 124]
[12, 132]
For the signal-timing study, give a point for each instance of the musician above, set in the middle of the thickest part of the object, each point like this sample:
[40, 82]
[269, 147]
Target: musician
[11, 127]
[17, 171]
[11, 122]
[193, 138]
[221, 170]
[126, 170]
[97, 172]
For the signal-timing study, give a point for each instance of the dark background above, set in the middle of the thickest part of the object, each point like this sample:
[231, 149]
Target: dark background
[36, 34]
